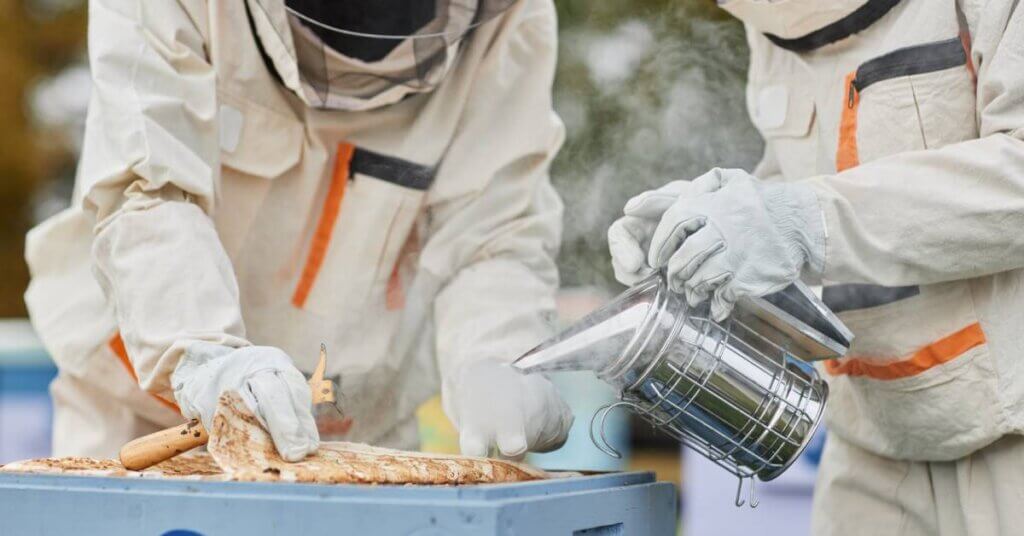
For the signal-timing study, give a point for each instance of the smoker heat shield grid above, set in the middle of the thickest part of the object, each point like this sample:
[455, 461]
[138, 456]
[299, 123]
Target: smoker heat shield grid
[597, 505]
[739, 391]
[726, 390]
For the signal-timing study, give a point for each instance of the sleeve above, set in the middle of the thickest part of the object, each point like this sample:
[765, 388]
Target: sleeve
[148, 176]
[768, 167]
[494, 244]
[939, 215]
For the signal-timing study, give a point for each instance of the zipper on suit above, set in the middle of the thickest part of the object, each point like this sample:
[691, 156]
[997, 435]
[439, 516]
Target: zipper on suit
[908, 61]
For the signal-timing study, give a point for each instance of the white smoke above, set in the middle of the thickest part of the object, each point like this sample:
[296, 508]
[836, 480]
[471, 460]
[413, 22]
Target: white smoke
[614, 58]
[655, 98]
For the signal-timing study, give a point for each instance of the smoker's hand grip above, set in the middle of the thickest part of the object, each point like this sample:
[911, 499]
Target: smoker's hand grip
[154, 448]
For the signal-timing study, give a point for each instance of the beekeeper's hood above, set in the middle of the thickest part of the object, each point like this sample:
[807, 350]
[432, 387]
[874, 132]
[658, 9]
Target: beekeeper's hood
[363, 54]
[793, 19]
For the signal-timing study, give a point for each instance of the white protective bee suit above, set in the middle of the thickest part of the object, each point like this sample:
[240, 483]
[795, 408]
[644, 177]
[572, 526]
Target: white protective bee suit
[906, 118]
[228, 196]
[897, 128]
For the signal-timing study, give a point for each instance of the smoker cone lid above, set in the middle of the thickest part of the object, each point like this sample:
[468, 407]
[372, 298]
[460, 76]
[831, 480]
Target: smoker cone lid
[611, 339]
[601, 341]
[807, 327]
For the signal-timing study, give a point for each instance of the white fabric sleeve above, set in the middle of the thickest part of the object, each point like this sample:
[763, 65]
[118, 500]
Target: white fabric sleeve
[493, 245]
[768, 167]
[957, 212]
[149, 175]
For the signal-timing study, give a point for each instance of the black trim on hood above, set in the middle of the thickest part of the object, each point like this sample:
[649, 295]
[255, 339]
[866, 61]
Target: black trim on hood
[381, 17]
[855, 22]
[259, 45]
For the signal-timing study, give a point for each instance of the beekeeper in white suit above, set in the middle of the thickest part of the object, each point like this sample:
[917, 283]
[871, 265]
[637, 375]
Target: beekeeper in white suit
[893, 173]
[263, 175]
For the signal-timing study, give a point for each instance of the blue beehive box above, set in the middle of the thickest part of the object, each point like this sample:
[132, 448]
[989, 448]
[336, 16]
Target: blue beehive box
[613, 504]
[610, 504]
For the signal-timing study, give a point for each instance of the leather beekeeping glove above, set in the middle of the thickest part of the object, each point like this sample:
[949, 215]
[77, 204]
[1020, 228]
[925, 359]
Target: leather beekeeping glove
[629, 237]
[493, 406]
[741, 237]
[266, 379]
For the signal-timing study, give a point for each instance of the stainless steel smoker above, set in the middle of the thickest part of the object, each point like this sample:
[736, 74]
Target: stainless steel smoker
[741, 392]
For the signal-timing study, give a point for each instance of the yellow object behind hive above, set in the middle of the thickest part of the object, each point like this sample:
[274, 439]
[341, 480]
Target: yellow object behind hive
[437, 434]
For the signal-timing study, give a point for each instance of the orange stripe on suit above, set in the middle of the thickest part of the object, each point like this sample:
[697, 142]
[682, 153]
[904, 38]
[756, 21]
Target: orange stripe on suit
[116, 345]
[847, 156]
[941, 351]
[325, 227]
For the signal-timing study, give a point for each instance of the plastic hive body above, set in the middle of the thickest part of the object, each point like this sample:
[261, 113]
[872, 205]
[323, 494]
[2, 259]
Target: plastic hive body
[608, 504]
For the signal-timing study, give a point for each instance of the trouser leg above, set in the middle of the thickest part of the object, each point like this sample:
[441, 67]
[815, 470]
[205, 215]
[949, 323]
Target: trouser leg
[982, 494]
[979, 495]
[860, 493]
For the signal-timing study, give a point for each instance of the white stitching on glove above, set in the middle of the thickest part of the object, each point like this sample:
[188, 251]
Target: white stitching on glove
[492, 405]
[266, 379]
[742, 237]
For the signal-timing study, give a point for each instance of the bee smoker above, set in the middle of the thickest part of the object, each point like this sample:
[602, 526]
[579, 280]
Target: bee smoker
[741, 392]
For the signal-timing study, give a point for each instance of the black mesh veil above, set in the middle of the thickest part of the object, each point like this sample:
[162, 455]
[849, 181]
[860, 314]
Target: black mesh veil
[351, 53]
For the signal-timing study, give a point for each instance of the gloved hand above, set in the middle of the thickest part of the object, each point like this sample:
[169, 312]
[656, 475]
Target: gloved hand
[267, 380]
[629, 238]
[492, 405]
[742, 237]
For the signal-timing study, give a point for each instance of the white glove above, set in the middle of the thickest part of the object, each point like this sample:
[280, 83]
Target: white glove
[492, 405]
[267, 380]
[629, 238]
[742, 237]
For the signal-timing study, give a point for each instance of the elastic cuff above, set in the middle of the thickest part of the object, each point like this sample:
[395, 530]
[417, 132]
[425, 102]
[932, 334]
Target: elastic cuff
[817, 223]
[795, 208]
[817, 232]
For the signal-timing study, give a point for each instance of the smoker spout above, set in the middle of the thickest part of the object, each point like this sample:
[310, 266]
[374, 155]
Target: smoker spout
[591, 344]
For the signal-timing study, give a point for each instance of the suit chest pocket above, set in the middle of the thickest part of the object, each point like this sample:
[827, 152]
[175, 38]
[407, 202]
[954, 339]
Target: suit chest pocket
[784, 113]
[366, 220]
[251, 161]
[914, 98]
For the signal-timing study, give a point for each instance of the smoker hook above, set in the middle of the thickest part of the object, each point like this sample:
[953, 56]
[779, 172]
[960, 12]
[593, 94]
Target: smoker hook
[603, 412]
[752, 498]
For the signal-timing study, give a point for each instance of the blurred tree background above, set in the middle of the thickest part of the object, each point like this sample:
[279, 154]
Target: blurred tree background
[38, 40]
[650, 91]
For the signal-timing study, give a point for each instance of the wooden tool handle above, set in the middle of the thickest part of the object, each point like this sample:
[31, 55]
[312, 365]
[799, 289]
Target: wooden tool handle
[154, 448]
[147, 451]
